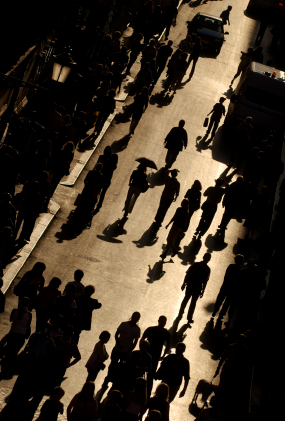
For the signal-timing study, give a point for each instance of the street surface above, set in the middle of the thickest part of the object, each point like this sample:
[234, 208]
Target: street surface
[123, 263]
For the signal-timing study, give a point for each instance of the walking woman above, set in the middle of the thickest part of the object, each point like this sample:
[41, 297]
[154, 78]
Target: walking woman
[31, 284]
[159, 402]
[178, 222]
[83, 407]
[62, 164]
[137, 185]
[99, 355]
[136, 401]
[140, 104]
[20, 331]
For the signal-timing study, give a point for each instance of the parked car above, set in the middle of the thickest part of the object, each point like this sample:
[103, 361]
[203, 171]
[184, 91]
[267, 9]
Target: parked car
[210, 29]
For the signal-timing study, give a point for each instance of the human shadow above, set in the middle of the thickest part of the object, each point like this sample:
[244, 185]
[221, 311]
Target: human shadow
[162, 99]
[155, 273]
[114, 230]
[194, 409]
[229, 93]
[121, 144]
[243, 246]
[125, 116]
[222, 146]
[70, 229]
[190, 252]
[156, 178]
[88, 143]
[201, 143]
[149, 238]
[216, 242]
[177, 335]
[213, 338]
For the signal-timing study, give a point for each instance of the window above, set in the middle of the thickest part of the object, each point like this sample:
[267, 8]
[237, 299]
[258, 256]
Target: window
[210, 23]
[265, 99]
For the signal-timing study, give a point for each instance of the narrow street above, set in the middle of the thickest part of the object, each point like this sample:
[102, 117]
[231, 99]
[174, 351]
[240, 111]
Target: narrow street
[123, 263]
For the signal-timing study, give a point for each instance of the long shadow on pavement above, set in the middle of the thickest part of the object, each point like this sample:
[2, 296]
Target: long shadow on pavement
[177, 335]
[213, 338]
[149, 237]
[157, 272]
[121, 144]
[114, 230]
[162, 99]
[190, 252]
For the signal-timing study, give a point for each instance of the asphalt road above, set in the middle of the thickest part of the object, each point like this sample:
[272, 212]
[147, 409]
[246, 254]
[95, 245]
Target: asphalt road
[123, 263]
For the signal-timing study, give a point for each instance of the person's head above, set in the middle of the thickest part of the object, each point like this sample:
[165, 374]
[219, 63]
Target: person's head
[58, 393]
[184, 56]
[185, 203]
[174, 173]
[68, 147]
[38, 268]
[1, 282]
[162, 391]
[144, 91]
[140, 389]
[152, 42]
[181, 123]
[140, 36]
[43, 175]
[239, 180]
[142, 168]
[178, 52]
[54, 283]
[116, 35]
[112, 93]
[98, 167]
[144, 345]
[239, 259]
[70, 290]
[87, 392]
[170, 43]
[219, 182]
[250, 50]
[24, 303]
[230, 7]
[115, 397]
[154, 415]
[162, 321]
[180, 348]
[135, 317]
[197, 185]
[105, 336]
[89, 290]
[78, 275]
[222, 100]
[248, 120]
[207, 257]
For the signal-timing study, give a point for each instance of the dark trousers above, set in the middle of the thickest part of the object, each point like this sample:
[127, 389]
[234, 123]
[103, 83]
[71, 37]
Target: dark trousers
[227, 216]
[164, 205]
[207, 217]
[116, 357]
[171, 157]
[214, 123]
[171, 71]
[92, 374]
[29, 222]
[189, 293]
[151, 374]
[222, 299]
[193, 58]
[107, 184]
[160, 66]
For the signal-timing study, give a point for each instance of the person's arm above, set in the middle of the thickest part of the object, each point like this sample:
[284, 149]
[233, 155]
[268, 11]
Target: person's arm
[177, 192]
[185, 140]
[117, 335]
[186, 376]
[204, 284]
[211, 112]
[186, 278]
[94, 410]
[166, 349]
[135, 343]
[222, 360]
[70, 407]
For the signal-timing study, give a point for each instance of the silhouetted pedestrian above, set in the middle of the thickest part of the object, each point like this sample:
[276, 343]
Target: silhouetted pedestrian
[170, 193]
[112, 410]
[84, 405]
[163, 55]
[148, 53]
[144, 78]
[195, 282]
[136, 401]
[217, 112]
[137, 183]
[65, 305]
[225, 15]
[245, 59]
[174, 142]
[194, 56]
[232, 200]
[171, 66]
[31, 283]
[107, 107]
[157, 337]
[169, 17]
[159, 402]
[135, 50]
[99, 355]
[109, 161]
[230, 287]
[52, 407]
[180, 70]
[93, 185]
[44, 303]
[173, 369]
[62, 164]
[214, 196]
[139, 106]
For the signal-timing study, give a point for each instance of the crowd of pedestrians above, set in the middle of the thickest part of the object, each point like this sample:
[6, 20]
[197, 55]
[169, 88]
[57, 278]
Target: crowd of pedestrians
[61, 315]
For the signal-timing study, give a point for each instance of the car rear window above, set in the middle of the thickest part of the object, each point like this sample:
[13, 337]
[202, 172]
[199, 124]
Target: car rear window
[265, 99]
[210, 23]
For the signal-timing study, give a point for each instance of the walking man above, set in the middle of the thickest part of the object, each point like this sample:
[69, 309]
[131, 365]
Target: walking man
[175, 141]
[229, 288]
[217, 112]
[195, 283]
[197, 48]
[225, 15]
[231, 201]
[173, 369]
[169, 195]
[163, 55]
[169, 17]
[157, 337]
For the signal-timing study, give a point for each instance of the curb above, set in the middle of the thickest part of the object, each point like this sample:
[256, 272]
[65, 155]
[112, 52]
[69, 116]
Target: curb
[25, 252]
[84, 158]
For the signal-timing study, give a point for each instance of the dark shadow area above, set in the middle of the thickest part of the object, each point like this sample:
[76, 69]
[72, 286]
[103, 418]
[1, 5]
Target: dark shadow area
[121, 144]
[155, 273]
[177, 335]
[162, 99]
[210, 307]
[71, 229]
[190, 252]
[88, 143]
[201, 143]
[216, 242]
[222, 146]
[194, 409]
[228, 94]
[125, 116]
[114, 230]
[213, 338]
[156, 178]
[149, 238]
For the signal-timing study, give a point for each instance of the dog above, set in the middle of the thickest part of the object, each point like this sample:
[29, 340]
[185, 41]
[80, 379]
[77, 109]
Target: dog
[205, 389]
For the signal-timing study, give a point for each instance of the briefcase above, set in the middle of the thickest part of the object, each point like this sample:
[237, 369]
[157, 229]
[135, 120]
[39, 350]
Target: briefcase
[206, 121]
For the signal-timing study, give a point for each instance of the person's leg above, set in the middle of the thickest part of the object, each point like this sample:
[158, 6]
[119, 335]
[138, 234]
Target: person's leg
[164, 205]
[20, 218]
[29, 223]
[174, 154]
[215, 126]
[133, 125]
[192, 307]
[225, 307]
[131, 191]
[103, 192]
[173, 390]
[185, 300]
[151, 374]
[92, 374]
[178, 82]
[218, 303]
[133, 57]
[211, 122]
[168, 158]
[135, 196]
[167, 30]
[227, 216]
[195, 59]
[208, 218]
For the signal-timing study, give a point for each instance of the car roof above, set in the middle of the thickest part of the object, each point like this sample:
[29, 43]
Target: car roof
[209, 16]
[262, 68]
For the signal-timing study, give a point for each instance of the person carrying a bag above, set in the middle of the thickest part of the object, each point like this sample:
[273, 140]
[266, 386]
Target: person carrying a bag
[138, 184]
[96, 361]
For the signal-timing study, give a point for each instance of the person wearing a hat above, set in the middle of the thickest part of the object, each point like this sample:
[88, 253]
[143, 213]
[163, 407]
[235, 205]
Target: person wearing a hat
[217, 112]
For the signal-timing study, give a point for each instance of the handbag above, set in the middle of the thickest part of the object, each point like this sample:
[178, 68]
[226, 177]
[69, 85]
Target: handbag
[206, 121]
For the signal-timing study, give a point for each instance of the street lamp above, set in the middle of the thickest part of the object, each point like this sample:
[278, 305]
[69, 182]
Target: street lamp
[62, 66]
